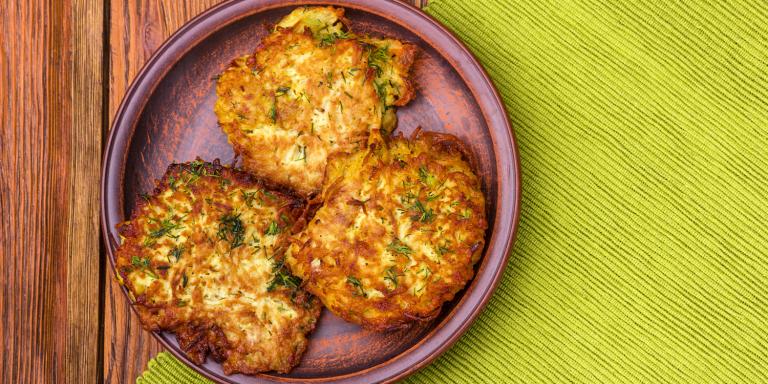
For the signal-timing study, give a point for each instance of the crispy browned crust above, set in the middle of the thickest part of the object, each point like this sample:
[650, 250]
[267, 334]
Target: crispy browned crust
[405, 60]
[368, 196]
[446, 143]
[286, 114]
[267, 126]
[210, 189]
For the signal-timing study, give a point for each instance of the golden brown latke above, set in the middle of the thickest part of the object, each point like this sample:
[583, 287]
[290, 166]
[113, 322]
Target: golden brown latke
[202, 257]
[311, 89]
[398, 233]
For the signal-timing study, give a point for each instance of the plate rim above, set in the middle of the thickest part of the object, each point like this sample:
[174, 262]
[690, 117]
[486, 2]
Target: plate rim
[463, 60]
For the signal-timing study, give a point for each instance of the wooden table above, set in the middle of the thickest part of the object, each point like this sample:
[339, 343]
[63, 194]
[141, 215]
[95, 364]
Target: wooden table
[65, 66]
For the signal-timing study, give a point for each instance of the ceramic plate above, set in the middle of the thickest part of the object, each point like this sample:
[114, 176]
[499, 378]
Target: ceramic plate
[167, 116]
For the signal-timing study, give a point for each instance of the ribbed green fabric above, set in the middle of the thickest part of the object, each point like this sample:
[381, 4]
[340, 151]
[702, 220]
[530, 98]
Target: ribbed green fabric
[642, 253]
[165, 369]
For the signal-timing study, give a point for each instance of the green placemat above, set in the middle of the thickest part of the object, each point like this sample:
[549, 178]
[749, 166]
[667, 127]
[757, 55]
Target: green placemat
[643, 241]
[166, 369]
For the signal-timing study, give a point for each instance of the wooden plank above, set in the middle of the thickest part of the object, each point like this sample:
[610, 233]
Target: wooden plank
[136, 29]
[51, 144]
[82, 358]
[25, 275]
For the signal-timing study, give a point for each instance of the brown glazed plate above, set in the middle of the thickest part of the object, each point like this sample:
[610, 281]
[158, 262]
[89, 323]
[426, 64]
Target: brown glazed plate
[167, 116]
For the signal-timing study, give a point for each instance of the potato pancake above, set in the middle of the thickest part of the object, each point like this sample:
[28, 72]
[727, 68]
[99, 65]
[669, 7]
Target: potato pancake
[311, 89]
[202, 257]
[401, 226]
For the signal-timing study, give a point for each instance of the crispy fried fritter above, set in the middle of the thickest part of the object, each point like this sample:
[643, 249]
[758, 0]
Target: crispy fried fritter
[398, 233]
[311, 89]
[202, 257]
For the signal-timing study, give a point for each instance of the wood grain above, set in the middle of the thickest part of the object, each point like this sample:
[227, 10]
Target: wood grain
[51, 109]
[82, 358]
[25, 273]
[136, 29]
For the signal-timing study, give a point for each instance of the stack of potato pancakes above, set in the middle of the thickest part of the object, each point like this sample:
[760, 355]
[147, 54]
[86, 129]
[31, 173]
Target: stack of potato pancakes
[329, 208]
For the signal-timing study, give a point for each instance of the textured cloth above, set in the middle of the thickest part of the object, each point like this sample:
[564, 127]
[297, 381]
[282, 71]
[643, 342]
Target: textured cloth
[643, 136]
[166, 369]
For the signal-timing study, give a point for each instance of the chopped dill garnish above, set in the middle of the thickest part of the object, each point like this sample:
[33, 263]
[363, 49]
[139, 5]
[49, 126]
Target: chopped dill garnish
[176, 253]
[330, 38]
[273, 229]
[443, 249]
[248, 198]
[427, 178]
[255, 243]
[410, 196]
[377, 58]
[231, 230]
[381, 90]
[424, 215]
[282, 90]
[398, 246]
[391, 275]
[197, 168]
[283, 278]
[329, 79]
[355, 282]
[143, 264]
[269, 194]
[166, 226]
[302, 154]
